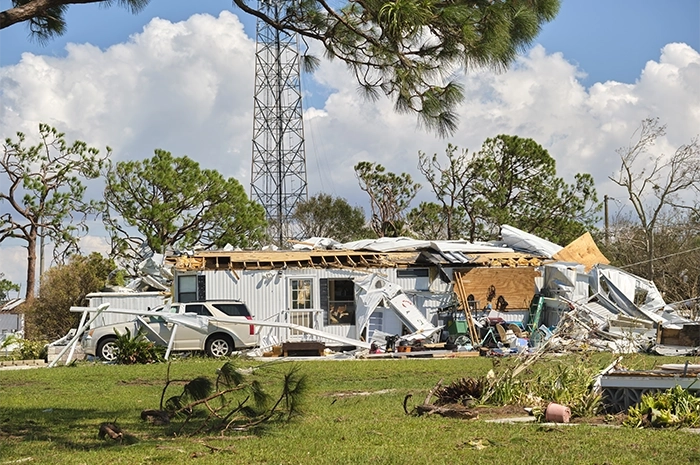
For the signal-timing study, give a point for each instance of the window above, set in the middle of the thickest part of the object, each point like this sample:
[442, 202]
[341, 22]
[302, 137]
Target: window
[301, 295]
[341, 302]
[199, 309]
[413, 273]
[187, 288]
[414, 278]
[233, 309]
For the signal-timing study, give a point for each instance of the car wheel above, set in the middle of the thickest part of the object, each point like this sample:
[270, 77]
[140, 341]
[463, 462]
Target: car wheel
[107, 349]
[219, 345]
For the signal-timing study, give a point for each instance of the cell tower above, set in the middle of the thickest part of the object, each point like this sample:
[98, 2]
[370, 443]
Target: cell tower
[278, 174]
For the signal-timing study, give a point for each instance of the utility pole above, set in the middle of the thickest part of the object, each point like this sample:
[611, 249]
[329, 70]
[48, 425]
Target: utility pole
[278, 173]
[607, 225]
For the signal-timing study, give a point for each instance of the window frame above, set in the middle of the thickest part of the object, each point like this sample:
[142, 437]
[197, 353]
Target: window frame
[346, 309]
[191, 296]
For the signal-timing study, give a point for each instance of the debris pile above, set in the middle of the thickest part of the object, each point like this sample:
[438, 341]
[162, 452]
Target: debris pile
[609, 309]
[584, 303]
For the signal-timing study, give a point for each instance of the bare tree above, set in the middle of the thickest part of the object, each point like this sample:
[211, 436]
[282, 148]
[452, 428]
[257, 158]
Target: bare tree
[450, 185]
[657, 183]
[390, 195]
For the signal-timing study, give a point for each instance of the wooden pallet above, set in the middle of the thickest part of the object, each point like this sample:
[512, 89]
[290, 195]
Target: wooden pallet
[312, 348]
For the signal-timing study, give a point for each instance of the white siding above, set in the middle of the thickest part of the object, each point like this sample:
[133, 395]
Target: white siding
[265, 292]
[125, 300]
[10, 322]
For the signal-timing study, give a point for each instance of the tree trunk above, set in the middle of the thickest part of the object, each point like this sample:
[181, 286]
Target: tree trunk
[33, 9]
[31, 265]
[650, 256]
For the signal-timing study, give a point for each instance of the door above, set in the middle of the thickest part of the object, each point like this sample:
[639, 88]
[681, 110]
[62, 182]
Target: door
[301, 303]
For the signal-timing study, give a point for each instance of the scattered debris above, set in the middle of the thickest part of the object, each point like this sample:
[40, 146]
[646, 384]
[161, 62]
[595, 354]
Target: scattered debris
[156, 417]
[463, 391]
[477, 443]
[450, 410]
[112, 431]
[232, 402]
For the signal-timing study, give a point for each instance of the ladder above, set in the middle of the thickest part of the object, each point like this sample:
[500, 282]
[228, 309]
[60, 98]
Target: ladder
[462, 295]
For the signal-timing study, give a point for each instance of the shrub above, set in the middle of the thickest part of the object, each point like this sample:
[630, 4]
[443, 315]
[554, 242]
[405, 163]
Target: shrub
[137, 349]
[26, 350]
[674, 407]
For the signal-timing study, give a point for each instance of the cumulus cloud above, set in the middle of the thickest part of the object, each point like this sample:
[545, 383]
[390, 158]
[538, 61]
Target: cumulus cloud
[184, 87]
[14, 265]
[541, 97]
[187, 87]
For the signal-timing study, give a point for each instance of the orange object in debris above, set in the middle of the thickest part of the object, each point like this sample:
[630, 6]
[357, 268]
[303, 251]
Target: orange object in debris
[557, 413]
[404, 348]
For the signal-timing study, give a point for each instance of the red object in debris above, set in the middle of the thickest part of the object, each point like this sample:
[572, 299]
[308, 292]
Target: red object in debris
[557, 413]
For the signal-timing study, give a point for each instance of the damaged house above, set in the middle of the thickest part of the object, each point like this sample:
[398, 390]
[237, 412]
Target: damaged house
[344, 294]
[389, 285]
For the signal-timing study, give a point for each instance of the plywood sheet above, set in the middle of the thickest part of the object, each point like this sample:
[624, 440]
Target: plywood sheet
[512, 287]
[584, 251]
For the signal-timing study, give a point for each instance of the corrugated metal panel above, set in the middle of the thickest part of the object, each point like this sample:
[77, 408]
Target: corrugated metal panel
[265, 292]
[10, 323]
[457, 257]
[129, 301]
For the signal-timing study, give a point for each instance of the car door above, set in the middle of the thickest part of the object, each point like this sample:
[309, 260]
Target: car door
[193, 336]
[186, 337]
[161, 325]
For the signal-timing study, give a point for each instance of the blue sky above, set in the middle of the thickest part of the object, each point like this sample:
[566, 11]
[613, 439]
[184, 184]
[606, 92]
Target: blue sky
[185, 84]
[608, 39]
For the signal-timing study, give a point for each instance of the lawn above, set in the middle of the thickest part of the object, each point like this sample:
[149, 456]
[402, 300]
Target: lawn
[353, 414]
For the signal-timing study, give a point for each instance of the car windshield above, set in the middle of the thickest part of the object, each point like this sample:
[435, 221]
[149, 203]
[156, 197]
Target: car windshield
[164, 309]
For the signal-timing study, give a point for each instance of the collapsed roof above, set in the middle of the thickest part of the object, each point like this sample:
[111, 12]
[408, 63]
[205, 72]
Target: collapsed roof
[385, 252]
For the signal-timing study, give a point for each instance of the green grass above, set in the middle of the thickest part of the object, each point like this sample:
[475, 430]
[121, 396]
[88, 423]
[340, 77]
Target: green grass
[353, 414]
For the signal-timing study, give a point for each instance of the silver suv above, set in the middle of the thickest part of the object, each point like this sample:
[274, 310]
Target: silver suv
[208, 326]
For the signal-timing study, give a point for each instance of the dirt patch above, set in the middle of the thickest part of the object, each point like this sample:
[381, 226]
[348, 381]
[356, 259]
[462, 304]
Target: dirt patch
[489, 412]
[142, 382]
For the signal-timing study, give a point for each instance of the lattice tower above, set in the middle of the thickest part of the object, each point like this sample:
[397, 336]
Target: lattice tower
[278, 174]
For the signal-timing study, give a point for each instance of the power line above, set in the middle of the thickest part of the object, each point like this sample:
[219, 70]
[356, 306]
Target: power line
[661, 258]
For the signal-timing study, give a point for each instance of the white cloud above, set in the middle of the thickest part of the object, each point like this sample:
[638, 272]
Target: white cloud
[185, 87]
[540, 97]
[188, 88]
[13, 264]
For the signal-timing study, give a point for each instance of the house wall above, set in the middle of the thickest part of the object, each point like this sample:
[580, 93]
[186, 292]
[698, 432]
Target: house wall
[266, 292]
[128, 301]
[11, 322]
